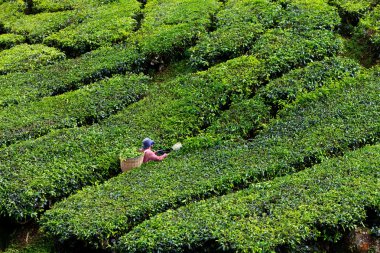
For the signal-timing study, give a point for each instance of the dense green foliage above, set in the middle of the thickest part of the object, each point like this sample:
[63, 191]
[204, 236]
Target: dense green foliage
[10, 40]
[28, 57]
[169, 27]
[241, 23]
[39, 26]
[286, 211]
[101, 26]
[84, 106]
[67, 75]
[277, 95]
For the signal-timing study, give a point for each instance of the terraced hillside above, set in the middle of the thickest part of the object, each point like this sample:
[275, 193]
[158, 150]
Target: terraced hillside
[276, 103]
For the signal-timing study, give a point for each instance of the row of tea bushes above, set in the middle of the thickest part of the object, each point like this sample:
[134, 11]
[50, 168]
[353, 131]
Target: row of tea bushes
[126, 200]
[72, 109]
[238, 25]
[8, 40]
[244, 118]
[68, 75]
[26, 57]
[39, 26]
[102, 26]
[170, 26]
[300, 49]
[76, 157]
[319, 202]
[304, 15]
[247, 20]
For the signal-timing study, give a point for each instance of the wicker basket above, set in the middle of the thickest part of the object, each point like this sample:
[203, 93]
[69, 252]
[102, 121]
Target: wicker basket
[130, 163]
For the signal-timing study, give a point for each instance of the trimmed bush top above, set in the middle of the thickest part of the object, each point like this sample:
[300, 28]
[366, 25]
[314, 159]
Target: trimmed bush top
[26, 57]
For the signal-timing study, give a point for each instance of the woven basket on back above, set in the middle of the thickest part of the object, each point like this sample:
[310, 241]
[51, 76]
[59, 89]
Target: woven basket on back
[130, 163]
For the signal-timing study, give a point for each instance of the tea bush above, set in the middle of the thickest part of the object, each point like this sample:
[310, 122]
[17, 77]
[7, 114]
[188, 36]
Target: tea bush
[20, 88]
[79, 156]
[248, 20]
[55, 6]
[238, 25]
[244, 118]
[84, 106]
[301, 48]
[9, 40]
[301, 15]
[26, 57]
[101, 26]
[39, 26]
[283, 147]
[333, 196]
[171, 26]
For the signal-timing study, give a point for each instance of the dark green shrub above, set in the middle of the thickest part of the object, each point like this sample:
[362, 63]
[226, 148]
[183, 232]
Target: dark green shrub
[26, 57]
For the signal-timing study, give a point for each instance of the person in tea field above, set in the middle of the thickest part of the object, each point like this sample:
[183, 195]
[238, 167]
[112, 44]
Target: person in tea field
[149, 154]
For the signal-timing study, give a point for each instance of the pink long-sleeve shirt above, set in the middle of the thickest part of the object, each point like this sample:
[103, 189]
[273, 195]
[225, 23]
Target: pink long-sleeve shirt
[149, 155]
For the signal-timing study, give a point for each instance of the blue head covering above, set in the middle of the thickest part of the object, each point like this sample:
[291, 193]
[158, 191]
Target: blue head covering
[146, 143]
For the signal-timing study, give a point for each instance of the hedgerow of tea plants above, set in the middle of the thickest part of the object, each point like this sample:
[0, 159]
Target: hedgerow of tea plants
[84, 106]
[238, 25]
[68, 75]
[39, 26]
[301, 15]
[102, 26]
[81, 156]
[354, 7]
[171, 26]
[241, 23]
[54, 6]
[9, 40]
[331, 196]
[26, 57]
[10, 11]
[301, 48]
[280, 149]
[244, 118]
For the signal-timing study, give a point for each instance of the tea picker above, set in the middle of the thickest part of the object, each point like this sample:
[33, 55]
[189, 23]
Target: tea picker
[150, 155]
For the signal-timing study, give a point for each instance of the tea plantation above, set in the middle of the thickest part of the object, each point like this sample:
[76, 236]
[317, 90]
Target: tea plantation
[276, 104]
